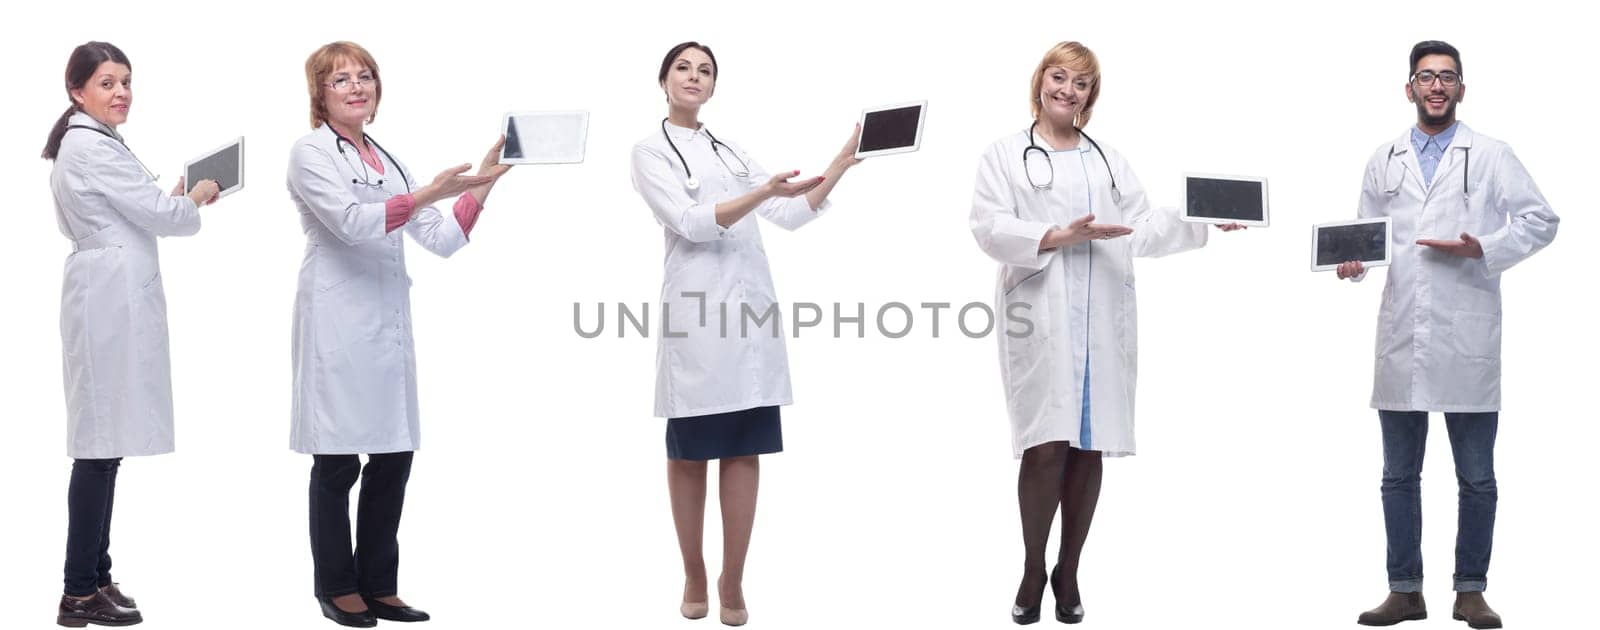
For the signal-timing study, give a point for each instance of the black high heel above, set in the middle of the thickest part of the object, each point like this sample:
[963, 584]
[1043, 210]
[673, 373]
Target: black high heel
[1068, 614]
[1024, 616]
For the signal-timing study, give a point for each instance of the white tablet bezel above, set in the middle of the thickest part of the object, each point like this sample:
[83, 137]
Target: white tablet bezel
[1266, 208]
[583, 152]
[922, 121]
[188, 184]
[1388, 245]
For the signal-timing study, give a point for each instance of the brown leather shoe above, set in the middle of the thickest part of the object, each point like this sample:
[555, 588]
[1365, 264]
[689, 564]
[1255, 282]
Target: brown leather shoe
[98, 610]
[1397, 608]
[116, 596]
[1471, 608]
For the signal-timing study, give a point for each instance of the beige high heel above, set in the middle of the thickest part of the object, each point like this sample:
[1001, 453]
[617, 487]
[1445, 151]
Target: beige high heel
[694, 610]
[735, 617]
[731, 616]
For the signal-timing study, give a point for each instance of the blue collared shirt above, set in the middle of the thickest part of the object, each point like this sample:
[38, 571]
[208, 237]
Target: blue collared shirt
[1430, 149]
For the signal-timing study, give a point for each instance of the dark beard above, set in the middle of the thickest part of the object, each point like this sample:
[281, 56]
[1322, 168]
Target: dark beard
[1448, 117]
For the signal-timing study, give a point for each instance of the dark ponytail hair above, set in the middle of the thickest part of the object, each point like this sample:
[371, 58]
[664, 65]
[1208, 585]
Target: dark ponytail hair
[81, 65]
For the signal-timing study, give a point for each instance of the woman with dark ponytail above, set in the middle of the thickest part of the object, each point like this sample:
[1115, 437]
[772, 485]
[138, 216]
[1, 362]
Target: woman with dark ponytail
[113, 316]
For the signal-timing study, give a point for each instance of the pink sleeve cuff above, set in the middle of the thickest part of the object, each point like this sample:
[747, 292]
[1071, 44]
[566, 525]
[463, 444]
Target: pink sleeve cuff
[397, 211]
[467, 209]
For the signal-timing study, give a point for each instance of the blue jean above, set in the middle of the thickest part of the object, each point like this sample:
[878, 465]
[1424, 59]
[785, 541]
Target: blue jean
[1405, 435]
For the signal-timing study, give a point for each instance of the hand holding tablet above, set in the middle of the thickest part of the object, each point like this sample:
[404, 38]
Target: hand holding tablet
[1231, 201]
[223, 165]
[1364, 242]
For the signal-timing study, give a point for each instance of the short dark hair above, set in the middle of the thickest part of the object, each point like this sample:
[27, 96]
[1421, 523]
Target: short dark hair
[1433, 47]
[672, 55]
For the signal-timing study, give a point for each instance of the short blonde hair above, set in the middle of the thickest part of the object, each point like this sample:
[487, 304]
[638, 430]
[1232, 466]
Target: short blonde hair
[322, 63]
[1072, 56]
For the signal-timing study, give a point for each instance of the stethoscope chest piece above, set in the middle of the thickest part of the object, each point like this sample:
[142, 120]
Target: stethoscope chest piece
[693, 183]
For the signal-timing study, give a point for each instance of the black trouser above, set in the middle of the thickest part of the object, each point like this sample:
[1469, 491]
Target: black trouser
[89, 498]
[374, 567]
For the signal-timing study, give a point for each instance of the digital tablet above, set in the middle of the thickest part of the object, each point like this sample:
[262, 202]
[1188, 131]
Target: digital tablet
[223, 165]
[1364, 240]
[544, 137]
[891, 129]
[1238, 199]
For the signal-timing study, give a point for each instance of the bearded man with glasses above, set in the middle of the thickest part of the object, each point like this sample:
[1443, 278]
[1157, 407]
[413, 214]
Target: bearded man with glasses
[1464, 210]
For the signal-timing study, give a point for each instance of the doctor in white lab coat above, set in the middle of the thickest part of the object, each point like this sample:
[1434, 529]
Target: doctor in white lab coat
[113, 314]
[720, 375]
[355, 378]
[1464, 211]
[1065, 216]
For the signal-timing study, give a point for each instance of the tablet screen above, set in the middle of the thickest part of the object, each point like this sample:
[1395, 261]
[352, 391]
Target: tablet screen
[544, 137]
[1364, 242]
[222, 166]
[1225, 199]
[894, 128]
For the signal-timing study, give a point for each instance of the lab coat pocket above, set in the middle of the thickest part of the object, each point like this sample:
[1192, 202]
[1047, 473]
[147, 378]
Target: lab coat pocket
[1025, 329]
[1128, 324]
[151, 307]
[345, 311]
[331, 279]
[1015, 277]
[1476, 335]
[1027, 364]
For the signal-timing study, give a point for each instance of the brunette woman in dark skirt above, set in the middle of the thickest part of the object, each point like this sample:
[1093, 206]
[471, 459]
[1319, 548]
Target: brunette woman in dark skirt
[719, 383]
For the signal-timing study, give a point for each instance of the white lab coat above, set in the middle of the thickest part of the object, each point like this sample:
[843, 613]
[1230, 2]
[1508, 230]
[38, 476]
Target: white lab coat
[1438, 341]
[1081, 298]
[113, 311]
[706, 370]
[355, 374]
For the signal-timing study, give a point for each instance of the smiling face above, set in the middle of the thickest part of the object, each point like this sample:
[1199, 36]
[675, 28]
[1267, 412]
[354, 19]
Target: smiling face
[349, 94]
[107, 95]
[1063, 94]
[1436, 102]
[691, 79]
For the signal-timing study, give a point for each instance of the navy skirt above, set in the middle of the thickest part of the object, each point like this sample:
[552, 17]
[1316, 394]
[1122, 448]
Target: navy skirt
[734, 434]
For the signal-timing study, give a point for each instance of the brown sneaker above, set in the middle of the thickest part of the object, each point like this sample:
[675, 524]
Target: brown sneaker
[98, 610]
[1397, 608]
[1471, 608]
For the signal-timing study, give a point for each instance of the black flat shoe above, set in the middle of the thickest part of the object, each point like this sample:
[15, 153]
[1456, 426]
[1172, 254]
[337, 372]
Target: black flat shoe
[394, 613]
[363, 619]
[117, 597]
[98, 610]
[1065, 614]
[1024, 616]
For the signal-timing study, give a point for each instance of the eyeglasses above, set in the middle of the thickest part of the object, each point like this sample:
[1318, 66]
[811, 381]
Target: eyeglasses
[344, 83]
[1427, 77]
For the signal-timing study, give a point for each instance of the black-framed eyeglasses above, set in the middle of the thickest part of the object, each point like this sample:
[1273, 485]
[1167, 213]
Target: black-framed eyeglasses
[344, 83]
[1427, 77]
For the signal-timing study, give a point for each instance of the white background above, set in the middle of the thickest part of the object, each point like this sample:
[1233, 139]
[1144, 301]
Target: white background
[539, 498]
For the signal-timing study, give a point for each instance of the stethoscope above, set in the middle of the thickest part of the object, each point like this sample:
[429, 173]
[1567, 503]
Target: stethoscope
[112, 136]
[693, 183]
[1466, 165]
[366, 177]
[1116, 195]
